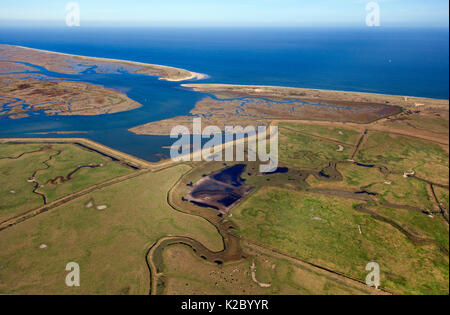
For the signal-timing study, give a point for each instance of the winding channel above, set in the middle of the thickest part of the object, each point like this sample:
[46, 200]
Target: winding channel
[232, 250]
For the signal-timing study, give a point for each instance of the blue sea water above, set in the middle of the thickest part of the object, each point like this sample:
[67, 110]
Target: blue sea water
[392, 61]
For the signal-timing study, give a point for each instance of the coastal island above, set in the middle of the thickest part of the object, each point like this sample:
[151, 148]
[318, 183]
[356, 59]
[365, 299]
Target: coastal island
[23, 91]
[59, 98]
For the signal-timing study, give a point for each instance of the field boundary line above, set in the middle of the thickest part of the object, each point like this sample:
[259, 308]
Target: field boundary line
[317, 136]
[48, 207]
[311, 264]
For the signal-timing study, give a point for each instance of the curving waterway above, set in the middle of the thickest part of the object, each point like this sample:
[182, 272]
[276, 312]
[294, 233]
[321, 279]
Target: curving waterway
[159, 99]
[363, 60]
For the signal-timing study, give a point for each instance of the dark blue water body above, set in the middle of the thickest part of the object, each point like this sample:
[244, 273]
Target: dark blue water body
[392, 61]
[365, 165]
[365, 192]
[231, 175]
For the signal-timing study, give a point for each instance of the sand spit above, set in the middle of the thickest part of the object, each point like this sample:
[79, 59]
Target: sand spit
[172, 73]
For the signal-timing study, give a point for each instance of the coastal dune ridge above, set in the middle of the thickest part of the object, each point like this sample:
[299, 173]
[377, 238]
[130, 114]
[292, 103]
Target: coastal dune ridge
[285, 91]
[166, 73]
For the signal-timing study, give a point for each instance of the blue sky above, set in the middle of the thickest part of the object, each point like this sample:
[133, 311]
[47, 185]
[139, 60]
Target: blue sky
[403, 13]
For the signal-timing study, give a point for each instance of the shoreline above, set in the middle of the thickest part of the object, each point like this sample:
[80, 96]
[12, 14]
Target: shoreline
[264, 91]
[195, 86]
[202, 76]
[193, 75]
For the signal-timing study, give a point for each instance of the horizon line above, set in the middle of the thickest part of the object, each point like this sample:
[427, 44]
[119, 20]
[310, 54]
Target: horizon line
[89, 24]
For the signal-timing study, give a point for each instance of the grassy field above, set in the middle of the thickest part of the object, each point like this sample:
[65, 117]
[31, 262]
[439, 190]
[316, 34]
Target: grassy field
[344, 135]
[23, 166]
[16, 192]
[390, 188]
[189, 275]
[442, 195]
[417, 223]
[404, 191]
[325, 230]
[308, 152]
[109, 245]
[403, 154]
[288, 222]
[14, 150]
[355, 178]
[71, 158]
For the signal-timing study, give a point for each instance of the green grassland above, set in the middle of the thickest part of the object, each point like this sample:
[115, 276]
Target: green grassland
[417, 223]
[294, 179]
[48, 162]
[344, 135]
[390, 188]
[403, 154]
[324, 230]
[285, 224]
[404, 191]
[14, 150]
[442, 195]
[16, 193]
[308, 152]
[109, 245]
[355, 178]
[189, 275]
[69, 160]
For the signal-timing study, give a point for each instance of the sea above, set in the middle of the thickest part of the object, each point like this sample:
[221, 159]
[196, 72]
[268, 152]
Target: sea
[412, 62]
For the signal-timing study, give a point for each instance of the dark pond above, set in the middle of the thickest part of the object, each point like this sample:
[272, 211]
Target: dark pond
[231, 175]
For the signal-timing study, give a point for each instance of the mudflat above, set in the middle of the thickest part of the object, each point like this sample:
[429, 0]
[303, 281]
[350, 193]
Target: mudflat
[259, 105]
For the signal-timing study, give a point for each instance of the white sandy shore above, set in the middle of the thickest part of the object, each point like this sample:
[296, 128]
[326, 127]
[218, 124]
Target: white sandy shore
[306, 89]
[192, 76]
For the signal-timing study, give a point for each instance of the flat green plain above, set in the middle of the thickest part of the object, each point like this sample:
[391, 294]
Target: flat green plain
[288, 222]
[325, 230]
[47, 162]
[403, 154]
[110, 245]
[309, 152]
